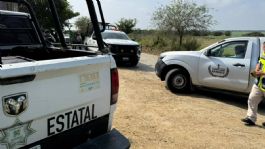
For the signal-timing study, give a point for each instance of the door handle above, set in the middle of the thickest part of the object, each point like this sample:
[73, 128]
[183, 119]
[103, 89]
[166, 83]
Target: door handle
[16, 80]
[239, 65]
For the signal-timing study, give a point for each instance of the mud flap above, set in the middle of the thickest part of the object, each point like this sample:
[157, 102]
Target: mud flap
[112, 140]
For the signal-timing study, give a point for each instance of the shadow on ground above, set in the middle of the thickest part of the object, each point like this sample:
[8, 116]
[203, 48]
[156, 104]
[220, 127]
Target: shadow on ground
[139, 67]
[231, 99]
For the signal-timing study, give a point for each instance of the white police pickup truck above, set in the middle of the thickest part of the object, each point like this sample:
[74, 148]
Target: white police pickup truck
[51, 97]
[121, 46]
[225, 65]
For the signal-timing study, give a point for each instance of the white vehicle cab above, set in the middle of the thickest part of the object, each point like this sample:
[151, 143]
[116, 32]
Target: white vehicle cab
[225, 65]
[54, 97]
[121, 46]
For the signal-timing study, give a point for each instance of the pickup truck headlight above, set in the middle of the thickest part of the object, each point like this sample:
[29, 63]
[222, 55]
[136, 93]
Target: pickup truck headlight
[161, 57]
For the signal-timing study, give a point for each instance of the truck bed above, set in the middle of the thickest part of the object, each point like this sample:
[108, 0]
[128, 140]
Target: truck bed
[15, 59]
[63, 95]
[25, 54]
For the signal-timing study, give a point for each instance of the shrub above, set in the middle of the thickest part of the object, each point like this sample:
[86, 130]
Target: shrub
[199, 33]
[195, 33]
[218, 33]
[205, 33]
[228, 33]
[254, 34]
[174, 45]
[191, 44]
[159, 42]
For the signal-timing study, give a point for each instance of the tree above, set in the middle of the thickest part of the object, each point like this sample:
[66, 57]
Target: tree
[82, 24]
[126, 25]
[182, 16]
[254, 34]
[44, 16]
[227, 33]
[218, 33]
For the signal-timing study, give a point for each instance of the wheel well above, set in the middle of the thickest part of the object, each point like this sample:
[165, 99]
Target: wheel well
[170, 67]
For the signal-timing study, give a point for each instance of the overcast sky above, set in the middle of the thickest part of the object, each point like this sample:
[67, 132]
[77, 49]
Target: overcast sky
[229, 14]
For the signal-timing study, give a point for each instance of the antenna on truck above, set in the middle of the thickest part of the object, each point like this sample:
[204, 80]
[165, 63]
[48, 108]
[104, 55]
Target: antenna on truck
[57, 23]
[95, 23]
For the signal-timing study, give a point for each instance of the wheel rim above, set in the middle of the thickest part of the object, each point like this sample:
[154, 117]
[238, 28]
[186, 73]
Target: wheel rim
[179, 81]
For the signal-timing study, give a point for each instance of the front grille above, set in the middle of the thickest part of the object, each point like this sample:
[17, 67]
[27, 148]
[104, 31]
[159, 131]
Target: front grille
[123, 49]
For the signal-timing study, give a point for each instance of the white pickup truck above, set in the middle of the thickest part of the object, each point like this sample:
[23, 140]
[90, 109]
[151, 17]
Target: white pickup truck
[225, 65]
[124, 49]
[54, 97]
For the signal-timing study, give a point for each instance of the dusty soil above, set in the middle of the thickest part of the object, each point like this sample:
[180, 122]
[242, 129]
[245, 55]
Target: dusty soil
[153, 117]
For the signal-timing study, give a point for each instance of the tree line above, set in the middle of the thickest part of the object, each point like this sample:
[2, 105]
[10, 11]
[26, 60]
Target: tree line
[180, 17]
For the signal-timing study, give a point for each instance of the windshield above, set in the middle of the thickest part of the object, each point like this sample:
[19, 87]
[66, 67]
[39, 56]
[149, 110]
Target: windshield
[114, 35]
[16, 30]
[210, 46]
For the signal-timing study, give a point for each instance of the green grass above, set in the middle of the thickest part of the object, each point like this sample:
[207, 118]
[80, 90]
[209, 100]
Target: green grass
[156, 42]
[208, 40]
[240, 33]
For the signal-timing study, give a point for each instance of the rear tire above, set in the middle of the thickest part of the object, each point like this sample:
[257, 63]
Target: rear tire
[178, 81]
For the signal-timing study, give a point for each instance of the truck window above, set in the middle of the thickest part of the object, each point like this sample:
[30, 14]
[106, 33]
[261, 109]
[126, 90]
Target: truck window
[236, 49]
[114, 35]
[17, 30]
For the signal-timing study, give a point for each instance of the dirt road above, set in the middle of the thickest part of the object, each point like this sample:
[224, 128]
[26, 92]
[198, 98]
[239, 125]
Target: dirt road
[153, 118]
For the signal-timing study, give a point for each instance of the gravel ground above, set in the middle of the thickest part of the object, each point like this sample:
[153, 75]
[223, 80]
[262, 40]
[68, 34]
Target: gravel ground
[153, 117]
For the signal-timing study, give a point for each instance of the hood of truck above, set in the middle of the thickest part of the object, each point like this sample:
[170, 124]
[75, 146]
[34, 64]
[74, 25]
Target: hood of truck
[189, 58]
[175, 54]
[121, 42]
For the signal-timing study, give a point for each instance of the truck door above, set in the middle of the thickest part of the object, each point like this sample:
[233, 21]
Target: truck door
[226, 66]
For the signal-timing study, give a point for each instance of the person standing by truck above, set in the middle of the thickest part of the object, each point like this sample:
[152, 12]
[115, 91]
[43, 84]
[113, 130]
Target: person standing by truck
[257, 93]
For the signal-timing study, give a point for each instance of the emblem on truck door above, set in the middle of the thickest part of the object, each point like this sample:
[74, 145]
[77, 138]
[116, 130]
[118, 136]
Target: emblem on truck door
[17, 134]
[218, 71]
[13, 105]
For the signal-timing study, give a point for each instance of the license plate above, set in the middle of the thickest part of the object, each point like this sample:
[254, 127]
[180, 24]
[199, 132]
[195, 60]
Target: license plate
[126, 58]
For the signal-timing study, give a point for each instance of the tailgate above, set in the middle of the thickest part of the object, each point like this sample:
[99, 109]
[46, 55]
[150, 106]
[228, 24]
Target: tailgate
[55, 96]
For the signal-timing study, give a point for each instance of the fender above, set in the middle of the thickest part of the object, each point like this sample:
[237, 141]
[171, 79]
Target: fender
[191, 71]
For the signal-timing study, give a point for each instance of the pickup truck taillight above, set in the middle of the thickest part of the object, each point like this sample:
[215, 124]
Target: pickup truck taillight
[114, 86]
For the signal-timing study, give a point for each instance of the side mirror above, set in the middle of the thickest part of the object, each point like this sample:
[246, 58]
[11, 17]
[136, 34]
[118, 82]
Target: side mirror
[207, 53]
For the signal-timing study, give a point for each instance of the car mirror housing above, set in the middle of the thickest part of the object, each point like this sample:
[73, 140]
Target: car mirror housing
[207, 53]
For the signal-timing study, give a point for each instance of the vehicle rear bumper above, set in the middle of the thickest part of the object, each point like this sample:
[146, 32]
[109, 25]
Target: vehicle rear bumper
[92, 133]
[112, 140]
